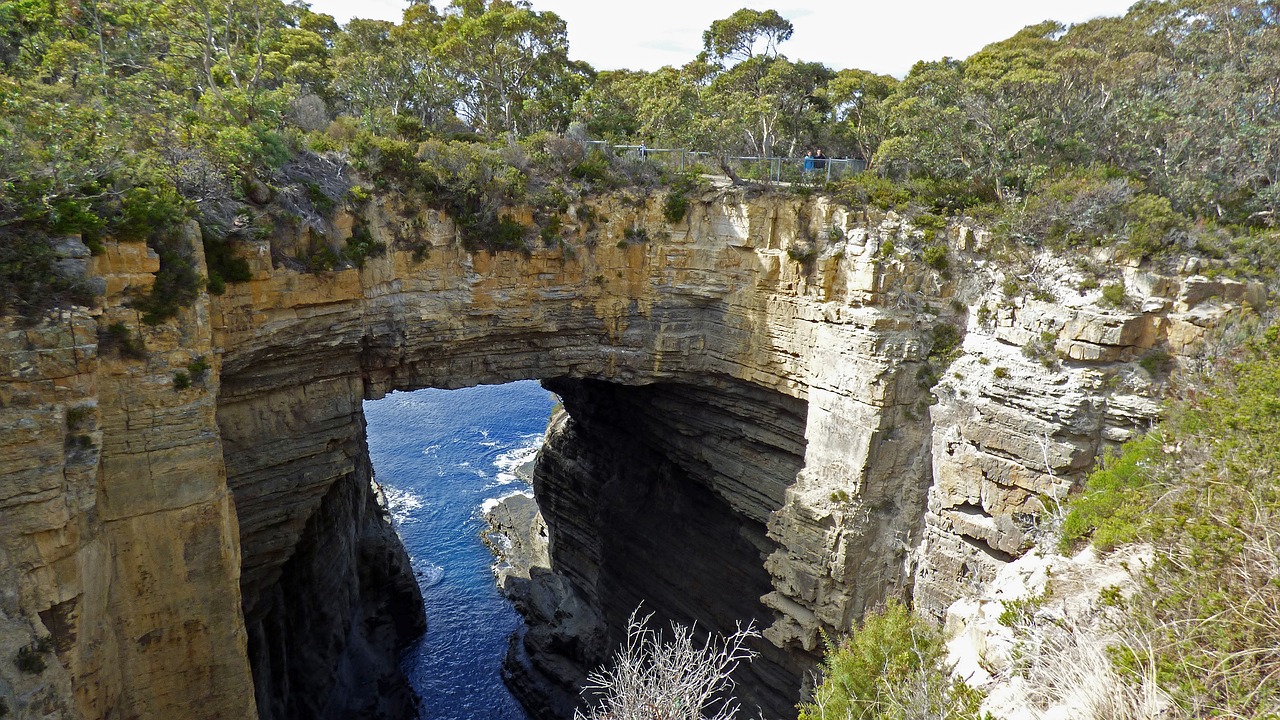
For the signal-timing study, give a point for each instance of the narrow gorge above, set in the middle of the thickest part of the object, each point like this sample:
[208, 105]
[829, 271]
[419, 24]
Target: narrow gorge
[777, 413]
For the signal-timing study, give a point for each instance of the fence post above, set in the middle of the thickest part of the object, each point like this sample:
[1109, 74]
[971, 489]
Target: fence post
[828, 171]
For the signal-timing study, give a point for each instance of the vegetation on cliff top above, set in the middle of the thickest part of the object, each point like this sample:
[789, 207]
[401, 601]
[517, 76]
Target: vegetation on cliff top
[1154, 130]
[1204, 489]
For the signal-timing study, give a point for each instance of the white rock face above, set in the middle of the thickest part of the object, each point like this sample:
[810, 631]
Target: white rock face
[1047, 660]
[1041, 388]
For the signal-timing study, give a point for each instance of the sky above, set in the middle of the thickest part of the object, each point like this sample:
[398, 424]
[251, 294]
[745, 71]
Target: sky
[884, 36]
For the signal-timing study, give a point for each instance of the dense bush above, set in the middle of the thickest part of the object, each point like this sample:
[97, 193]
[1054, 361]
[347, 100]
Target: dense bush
[891, 668]
[1094, 208]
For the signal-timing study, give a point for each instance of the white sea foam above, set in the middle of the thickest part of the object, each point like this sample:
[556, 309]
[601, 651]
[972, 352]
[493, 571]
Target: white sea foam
[403, 505]
[427, 573]
[430, 450]
[490, 504]
[509, 461]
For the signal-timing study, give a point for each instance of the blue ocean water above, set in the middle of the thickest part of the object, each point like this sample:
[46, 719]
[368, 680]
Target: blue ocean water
[440, 455]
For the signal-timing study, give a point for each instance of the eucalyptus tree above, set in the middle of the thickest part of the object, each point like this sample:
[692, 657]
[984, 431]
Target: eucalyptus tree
[737, 37]
[512, 65]
[856, 99]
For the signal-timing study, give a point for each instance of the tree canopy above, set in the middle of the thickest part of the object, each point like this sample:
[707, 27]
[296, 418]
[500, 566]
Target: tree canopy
[1179, 99]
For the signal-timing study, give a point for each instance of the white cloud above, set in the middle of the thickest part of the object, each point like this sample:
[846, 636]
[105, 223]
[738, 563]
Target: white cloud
[886, 37]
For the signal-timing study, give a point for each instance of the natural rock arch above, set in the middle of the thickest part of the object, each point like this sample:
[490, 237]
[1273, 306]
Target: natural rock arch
[164, 534]
[716, 309]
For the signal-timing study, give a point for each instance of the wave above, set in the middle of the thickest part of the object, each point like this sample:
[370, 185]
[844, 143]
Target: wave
[490, 504]
[402, 505]
[510, 461]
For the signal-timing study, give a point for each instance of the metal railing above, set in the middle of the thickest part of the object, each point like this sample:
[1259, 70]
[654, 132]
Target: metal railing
[774, 170]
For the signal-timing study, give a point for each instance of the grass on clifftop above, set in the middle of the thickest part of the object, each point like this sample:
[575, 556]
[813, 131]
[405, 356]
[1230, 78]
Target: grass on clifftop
[1204, 489]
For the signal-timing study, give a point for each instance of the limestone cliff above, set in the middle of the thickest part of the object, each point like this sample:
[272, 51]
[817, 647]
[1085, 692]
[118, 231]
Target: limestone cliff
[754, 382]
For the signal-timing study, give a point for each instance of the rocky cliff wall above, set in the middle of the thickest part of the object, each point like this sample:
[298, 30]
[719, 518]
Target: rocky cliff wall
[162, 535]
[119, 532]
[656, 500]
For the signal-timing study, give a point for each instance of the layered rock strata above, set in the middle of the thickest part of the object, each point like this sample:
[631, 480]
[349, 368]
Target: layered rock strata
[656, 499]
[176, 541]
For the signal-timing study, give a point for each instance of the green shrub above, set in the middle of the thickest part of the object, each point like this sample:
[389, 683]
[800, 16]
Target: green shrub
[1204, 489]
[984, 314]
[359, 194]
[868, 190]
[1114, 507]
[803, 254]
[935, 256]
[119, 338]
[323, 259]
[1155, 361]
[361, 245]
[181, 380]
[944, 342]
[147, 213]
[30, 659]
[1016, 612]
[551, 231]
[323, 204]
[1043, 350]
[675, 206]
[892, 667]
[215, 284]
[176, 286]
[198, 368]
[383, 157]
[1114, 296]
[594, 169]
[508, 235]
[76, 416]
[223, 263]
[1149, 222]
[635, 234]
[1000, 372]
[1093, 207]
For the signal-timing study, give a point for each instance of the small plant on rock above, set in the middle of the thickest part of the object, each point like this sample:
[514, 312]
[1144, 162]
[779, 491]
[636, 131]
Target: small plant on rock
[935, 256]
[1114, 295]
[30, 658]
[126, 343]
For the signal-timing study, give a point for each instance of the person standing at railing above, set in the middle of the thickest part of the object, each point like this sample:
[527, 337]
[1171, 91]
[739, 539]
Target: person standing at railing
[644, 151]
[808, 161]
[819, 160]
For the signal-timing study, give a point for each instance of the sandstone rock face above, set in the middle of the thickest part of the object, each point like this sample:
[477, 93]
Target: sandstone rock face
[120, 541]
[1040, 389]
[777, 415]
